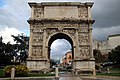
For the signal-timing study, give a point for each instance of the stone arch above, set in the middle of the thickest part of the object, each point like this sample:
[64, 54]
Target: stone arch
[74, 24]
[58, 35]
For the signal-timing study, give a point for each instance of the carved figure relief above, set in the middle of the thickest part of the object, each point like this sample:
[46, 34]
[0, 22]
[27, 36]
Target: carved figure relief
[84, 51]
[84, 25]
[37, 51]
[83, 30]
[39, 26]
[50, 31]
[37, 38]
[83, 38]
[39, 12]
[83, 13]
[57, 24]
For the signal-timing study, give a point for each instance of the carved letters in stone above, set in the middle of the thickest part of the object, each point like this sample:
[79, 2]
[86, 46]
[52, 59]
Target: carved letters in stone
[83, 38]
[37, 51]
[39, 12]
[84, 51]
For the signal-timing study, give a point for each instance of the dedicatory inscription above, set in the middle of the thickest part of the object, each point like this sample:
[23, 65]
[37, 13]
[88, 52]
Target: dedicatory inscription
[61, 12]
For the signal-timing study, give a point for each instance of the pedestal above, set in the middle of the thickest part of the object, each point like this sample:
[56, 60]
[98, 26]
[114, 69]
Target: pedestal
[37, 64]
[84, 65]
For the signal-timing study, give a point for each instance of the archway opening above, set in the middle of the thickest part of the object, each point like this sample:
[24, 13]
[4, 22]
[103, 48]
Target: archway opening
[60, 50]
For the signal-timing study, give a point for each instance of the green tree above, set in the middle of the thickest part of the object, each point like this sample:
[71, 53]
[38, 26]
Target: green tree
[6, 53]
[114, 56]
[98, 56]
[21, 46]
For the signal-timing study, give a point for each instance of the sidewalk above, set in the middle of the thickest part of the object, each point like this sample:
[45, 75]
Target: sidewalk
[69, 76]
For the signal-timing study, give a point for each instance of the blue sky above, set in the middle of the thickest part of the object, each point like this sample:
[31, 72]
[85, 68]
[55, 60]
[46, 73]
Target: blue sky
[2, 2]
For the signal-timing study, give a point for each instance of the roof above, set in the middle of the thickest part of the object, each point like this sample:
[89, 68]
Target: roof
[114, 35]
[69, 52]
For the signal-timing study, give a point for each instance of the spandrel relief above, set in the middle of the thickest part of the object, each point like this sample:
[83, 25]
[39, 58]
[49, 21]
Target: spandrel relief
[51, 31]
[70, 31]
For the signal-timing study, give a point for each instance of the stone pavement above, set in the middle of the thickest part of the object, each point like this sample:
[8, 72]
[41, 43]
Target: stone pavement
[68, 76]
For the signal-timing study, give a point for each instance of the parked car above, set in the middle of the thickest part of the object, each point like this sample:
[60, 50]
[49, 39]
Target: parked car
[107, 64]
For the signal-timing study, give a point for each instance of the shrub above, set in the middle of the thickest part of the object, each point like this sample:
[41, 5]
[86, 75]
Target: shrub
[20, 70]
[7, 70]
[44, 70]
[97, 67]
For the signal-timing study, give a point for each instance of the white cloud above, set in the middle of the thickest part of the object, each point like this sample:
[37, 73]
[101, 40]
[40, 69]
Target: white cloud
[13, 19]
[7, 32]
[15, 13]
[59, 47]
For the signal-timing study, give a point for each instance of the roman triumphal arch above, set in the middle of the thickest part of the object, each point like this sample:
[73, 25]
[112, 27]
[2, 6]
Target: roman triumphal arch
[56, 20]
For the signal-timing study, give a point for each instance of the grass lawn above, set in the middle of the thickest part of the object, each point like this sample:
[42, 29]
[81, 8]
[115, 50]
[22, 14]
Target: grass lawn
[2, 73]
[109, 74]
[113, 72]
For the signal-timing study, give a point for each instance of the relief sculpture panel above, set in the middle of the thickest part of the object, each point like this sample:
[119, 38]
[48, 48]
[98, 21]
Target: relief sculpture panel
[83, 12]
[83, 39]
[83, 30]
[37, 38]
[39, 12]
[70, 31]
[84, 51]
[37, 51]
[50, 31]
[57, 24]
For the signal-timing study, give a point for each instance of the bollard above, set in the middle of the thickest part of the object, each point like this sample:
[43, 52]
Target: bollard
[56, 72]
[76, 72]
[12, 73]
[94, 72]
[108, 70]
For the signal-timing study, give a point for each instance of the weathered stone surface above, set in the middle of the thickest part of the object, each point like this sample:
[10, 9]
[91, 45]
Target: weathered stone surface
[61, 12]
[51, 21]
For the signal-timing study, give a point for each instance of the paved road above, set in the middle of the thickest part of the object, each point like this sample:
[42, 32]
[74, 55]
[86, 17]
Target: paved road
[69, 76]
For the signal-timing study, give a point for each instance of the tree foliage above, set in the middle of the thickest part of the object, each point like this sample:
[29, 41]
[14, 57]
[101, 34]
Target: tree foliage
[98, 56]
[22, 46]
[114, 55]
[10, 53]
[6, 53]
